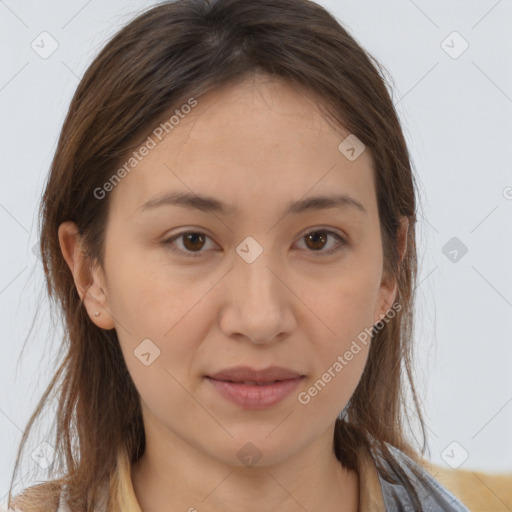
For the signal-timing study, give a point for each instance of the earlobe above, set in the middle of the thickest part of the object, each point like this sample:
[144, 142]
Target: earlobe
[386, 306]
[97, 302]
[88, 279]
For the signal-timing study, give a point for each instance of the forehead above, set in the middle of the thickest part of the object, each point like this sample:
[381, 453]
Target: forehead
[259, 142]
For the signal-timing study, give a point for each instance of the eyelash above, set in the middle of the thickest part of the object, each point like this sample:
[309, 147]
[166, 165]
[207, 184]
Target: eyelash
[191, 254]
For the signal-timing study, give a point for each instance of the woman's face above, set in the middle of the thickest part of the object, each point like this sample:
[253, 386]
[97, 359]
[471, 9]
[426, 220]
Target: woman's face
[257, 283]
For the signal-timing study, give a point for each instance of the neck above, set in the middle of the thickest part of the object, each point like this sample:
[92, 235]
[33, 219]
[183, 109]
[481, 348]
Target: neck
[178, 476]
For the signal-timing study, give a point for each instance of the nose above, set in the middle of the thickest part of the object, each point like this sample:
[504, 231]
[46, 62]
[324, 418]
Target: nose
[259, 304]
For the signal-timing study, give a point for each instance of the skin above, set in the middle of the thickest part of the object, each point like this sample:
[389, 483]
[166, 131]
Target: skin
[256, 145]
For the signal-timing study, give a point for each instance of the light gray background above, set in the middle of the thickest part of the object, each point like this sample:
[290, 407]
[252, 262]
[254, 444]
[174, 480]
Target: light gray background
[457, 116]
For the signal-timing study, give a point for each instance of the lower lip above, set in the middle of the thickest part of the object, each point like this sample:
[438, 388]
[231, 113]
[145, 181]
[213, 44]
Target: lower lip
[252, 396]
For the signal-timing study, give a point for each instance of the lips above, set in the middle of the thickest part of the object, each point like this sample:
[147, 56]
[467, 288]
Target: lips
[248, 375]
[254, 389]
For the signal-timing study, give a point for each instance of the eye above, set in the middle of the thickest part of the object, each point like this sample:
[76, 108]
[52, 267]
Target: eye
[192, 242]
[317, 239]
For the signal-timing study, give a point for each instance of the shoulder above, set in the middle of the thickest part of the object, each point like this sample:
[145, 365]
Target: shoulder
[433, 495]
[51, 496]
[44, 497]
[5, 508]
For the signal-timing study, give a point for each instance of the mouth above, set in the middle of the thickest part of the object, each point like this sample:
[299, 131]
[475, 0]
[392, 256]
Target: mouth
[248, 375]
[255, 395]
[252, 383]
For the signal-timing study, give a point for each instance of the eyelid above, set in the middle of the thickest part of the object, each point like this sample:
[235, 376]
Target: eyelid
[343, 240]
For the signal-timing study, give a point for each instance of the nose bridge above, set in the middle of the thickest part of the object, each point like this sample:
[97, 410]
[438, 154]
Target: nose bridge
[254, 263]
[258, 308]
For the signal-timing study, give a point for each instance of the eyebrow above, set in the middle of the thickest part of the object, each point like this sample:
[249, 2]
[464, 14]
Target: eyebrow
[212, 205]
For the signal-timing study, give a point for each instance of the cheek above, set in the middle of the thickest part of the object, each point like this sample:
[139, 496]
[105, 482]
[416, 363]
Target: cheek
[160, 322]
[151, 298]
[165, 334]
[340, 358]
[344, 305]
[331, 388]
[342, 338]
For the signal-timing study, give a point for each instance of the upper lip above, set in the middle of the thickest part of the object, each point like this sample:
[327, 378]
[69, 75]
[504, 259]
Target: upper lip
[246, 373]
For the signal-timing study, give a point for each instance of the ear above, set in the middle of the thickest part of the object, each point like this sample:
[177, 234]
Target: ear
[389, 286]
[89, 279]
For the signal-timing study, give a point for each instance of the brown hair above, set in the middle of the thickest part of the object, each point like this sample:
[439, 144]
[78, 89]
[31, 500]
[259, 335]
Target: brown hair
[169, 53]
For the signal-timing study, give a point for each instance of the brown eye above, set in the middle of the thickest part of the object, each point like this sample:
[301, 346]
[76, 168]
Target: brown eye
[317, 240]
[192, 243]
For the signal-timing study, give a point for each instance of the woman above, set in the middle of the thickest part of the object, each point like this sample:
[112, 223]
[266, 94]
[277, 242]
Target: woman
[229, 229]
